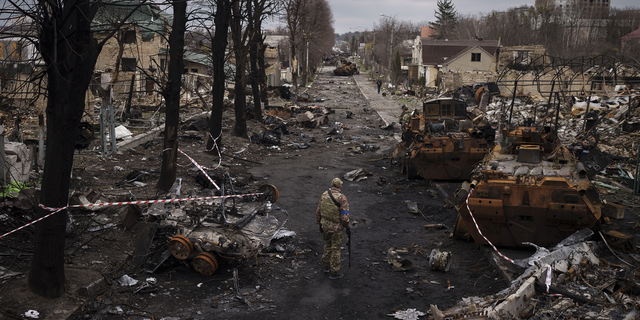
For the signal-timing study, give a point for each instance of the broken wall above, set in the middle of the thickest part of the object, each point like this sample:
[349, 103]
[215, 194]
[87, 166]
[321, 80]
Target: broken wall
[452, 80]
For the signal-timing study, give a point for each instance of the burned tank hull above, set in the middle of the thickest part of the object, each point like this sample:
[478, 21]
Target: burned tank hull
[532, 191]
[206, 231]
[443, 143]
[451, 157]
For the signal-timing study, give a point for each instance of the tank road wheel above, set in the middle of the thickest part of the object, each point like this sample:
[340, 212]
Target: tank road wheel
[269, 193]
[205, 263]
[180, 247]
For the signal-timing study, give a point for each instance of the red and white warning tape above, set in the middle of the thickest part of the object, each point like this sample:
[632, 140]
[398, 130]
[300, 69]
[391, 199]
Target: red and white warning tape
[201, 168]
[56, 210]
[480, 232]
[30, 223]
[547, 281]
[548, 278]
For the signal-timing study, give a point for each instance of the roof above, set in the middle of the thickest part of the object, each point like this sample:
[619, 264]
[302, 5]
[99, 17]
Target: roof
[149, 18]
[632, 35]
[190, 56]
[438, 51]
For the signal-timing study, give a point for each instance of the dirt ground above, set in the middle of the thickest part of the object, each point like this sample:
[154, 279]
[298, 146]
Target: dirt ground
[286, 281]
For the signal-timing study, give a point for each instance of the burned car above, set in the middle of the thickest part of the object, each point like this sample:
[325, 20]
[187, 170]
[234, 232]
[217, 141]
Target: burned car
[529, 189]
[444, 142]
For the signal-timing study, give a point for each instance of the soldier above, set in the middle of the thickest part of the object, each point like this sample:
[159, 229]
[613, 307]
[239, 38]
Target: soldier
[405, 117]
[332, 216]
[379, 84]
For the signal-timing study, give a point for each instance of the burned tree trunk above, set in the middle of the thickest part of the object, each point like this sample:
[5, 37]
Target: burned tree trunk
[262, 74]
[218, 48]
[70, 53]
[239, 48]
[171, 95]
[255, 85]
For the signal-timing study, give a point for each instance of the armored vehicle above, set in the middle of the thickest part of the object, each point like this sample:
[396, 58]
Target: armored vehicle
[207, 230]
[444, 142]
[527, 189]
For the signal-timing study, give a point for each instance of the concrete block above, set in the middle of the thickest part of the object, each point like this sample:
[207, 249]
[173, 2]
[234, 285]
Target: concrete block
[11, 159]
[26, 167]
[515, 303]
[16, 148]
[15, 173]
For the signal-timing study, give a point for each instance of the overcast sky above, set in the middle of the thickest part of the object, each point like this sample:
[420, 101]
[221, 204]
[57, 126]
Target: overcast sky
[358, 15]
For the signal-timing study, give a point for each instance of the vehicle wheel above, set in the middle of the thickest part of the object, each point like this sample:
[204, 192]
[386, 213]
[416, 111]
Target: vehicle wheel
[180, 247]
[205, 263]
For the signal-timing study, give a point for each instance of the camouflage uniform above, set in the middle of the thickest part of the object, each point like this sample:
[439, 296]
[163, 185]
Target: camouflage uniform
[404, 118]
[332, 219]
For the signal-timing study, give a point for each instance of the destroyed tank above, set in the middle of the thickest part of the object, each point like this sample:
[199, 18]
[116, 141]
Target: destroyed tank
[208, 230]
[346, 68]
[443, 143]
[529, 189]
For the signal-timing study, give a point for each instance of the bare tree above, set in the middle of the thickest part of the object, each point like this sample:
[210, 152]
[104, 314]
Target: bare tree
[262, 9]
[69, 52]
[171, 93]
[240, 32]
[294, 12]
[219, 44]
[318, 35]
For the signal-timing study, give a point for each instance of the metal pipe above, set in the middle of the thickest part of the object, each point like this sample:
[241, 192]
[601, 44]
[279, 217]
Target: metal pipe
[636, 180]
[513, 100]
[557, 111]
[553, 84]
[112, 130]
[584, 124]
[580, 168]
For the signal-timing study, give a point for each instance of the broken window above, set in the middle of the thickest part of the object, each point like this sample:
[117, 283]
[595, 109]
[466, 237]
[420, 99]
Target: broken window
[129, 36]
[194, 70]
[128, 64]
[521, 57]
[475, 57]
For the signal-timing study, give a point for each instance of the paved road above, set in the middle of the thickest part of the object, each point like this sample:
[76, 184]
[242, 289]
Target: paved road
[387, 107]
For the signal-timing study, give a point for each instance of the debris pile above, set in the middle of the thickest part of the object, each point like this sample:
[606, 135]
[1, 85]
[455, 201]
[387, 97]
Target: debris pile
[581, 280]
[614, 134]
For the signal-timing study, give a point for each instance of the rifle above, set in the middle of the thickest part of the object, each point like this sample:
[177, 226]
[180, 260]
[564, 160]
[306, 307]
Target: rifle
[349, 245]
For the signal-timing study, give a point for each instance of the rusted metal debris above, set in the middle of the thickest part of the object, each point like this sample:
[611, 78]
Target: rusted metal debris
[205, 231]
[444, 142]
